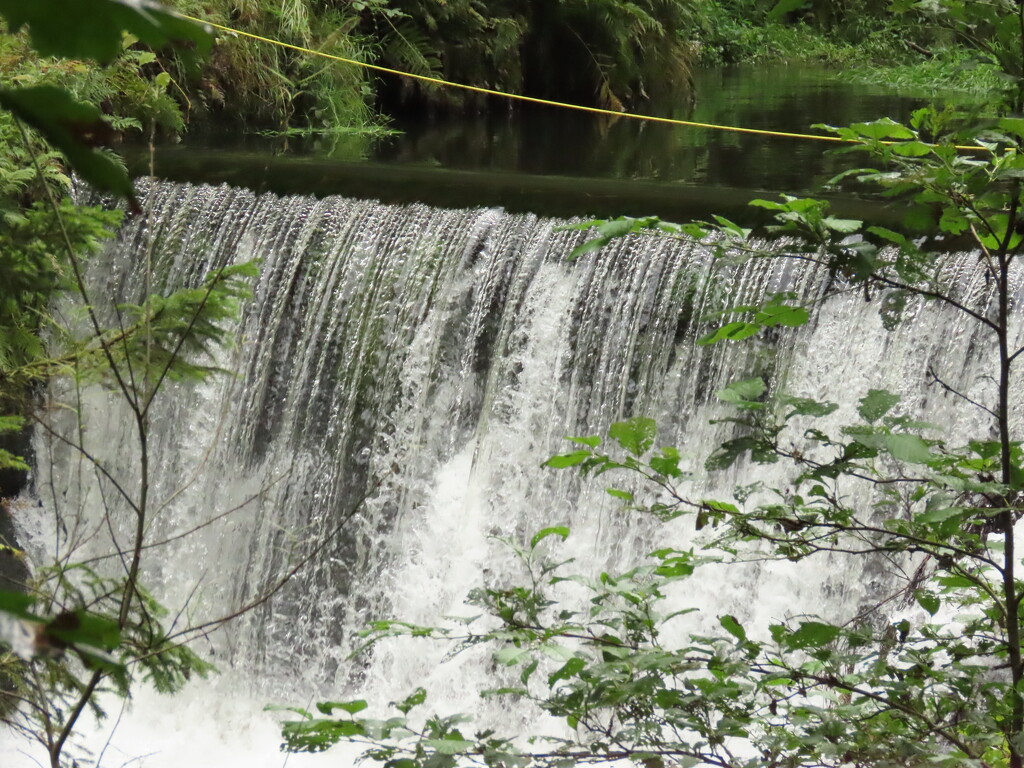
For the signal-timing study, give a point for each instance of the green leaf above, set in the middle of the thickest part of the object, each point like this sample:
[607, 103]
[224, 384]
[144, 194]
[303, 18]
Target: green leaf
[675, 565]
[953, 220]
[318, 735]
[935, 516]
[635, 435]
[591, 441]
[919, 218]
[811, 634]
[81, 628]
[928, 601]
[782, 7]
[92, 29]
[589, 246]
[9, 460]
[1001, 234]
[986, 449]
[571, 668]
[891, 310]
[743, 393]
[528, 671]
[667, 463]
[912, 149]
[891, 236]
[733, 627]
[414, 699]
[728, 452]
[730, 227]
[875, 404]
[11, 423]
[736, 331]
[75, 129]
[17, 604]
[555, 530]
[1014, 125]
[720, 506]
[885, 128]
[563, 460]
[612, 229]
[781, 314]
[805, 406]
[450, 745]
[625, 496]
[510, 656]
[489, 693]
[844, 226]
[771, 205]
[329, 707]
[955, 581]
[909, 448]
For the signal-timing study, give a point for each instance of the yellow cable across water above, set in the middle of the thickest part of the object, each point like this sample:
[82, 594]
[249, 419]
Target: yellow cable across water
[530, 99]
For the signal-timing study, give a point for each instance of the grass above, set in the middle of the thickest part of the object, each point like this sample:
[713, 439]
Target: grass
[950, 70]
[880, 57]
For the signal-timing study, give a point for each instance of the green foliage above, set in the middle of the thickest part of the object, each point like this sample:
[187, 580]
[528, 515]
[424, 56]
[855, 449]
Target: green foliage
[770, 314]
[76, 636]
[90, 635]
[812, 691]
[903, 45]
[73, 127]
[47, 93]
[609, 52]
[955, 70]
[8, 460]
[167, 337]
[268, 88]
[615, 228]
[157, 72]
[80, 632]
[940, 687]
[93, 29]
[841, 35]
[31, 245]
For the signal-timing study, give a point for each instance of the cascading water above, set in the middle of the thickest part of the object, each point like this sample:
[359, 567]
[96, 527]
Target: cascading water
[402, 372]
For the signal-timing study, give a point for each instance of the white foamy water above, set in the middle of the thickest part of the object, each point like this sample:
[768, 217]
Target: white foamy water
[430, 361]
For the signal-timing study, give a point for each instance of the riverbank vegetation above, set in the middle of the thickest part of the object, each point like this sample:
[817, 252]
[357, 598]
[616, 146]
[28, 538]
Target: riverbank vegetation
[929, 669]
[72, 632]
[925, 693]
[614, 54]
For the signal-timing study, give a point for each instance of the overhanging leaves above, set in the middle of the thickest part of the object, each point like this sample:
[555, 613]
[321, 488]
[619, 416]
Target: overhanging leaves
[876, 403]
[75, 128]
[17, 604]
[744, 394]
[810, 634]
[92, 29]
[556, 530]
[910, 448]
[635, 435]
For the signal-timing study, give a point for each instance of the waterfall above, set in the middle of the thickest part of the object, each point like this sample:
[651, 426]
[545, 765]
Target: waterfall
[400, 375]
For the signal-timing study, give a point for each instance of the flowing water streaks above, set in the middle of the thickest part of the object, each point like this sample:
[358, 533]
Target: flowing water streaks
[430, 360]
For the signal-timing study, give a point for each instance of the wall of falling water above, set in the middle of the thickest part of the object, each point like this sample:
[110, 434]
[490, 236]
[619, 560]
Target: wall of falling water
[400, 375]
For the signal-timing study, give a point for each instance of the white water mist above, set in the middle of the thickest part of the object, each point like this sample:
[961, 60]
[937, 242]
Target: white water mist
[402, 373]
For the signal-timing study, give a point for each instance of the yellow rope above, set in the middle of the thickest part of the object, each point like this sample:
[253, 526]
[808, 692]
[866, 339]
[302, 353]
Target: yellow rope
[530, 99]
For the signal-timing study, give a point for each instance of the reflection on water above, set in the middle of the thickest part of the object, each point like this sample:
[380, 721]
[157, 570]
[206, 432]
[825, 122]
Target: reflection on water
[566, 163]
[551, 141]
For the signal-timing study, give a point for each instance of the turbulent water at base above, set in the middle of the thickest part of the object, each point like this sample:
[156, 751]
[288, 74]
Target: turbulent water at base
[402, 372]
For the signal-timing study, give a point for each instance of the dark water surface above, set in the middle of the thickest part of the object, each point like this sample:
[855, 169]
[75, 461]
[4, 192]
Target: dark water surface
[560, 162]
[550, 141]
